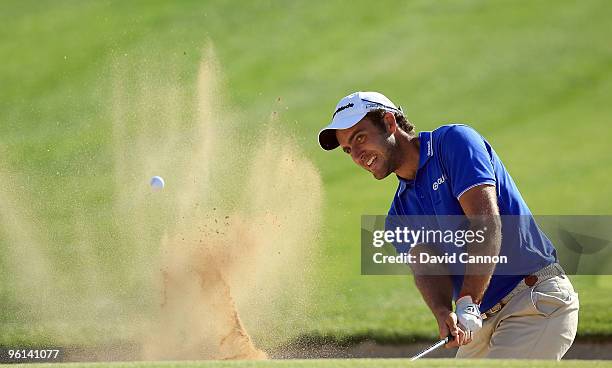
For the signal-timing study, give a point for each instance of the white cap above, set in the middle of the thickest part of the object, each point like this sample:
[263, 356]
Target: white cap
[349, 111]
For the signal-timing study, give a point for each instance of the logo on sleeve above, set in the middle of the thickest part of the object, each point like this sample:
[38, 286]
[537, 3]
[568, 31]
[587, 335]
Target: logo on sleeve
[437, 183]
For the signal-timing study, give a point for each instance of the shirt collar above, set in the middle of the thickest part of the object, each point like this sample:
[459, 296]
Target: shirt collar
[425, 152]
[426, 148]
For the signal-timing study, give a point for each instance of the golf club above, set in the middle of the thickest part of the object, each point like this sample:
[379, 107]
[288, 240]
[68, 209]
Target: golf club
[433, 347]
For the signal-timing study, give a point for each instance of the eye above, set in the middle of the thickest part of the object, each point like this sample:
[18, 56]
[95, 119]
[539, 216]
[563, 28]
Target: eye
[360, 138]
[347, 150]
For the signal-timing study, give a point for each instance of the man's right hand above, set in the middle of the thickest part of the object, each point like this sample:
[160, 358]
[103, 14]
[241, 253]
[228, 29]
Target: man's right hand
[447, 324]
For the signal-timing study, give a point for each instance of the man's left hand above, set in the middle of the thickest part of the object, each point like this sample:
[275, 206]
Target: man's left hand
[468, 314]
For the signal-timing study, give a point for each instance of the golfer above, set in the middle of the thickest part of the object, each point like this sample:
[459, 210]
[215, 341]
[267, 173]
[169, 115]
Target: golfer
[526, 309]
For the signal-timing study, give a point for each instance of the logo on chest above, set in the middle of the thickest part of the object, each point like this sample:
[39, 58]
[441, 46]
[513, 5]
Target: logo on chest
[436, 184]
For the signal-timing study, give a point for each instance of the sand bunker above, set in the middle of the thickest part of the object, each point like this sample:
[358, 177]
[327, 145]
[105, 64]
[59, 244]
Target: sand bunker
[224, 249]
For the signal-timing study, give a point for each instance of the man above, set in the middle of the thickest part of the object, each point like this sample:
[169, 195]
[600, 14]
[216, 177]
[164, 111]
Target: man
[527, 309]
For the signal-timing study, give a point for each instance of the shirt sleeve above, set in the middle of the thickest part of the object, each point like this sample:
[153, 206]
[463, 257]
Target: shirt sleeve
[466, 159]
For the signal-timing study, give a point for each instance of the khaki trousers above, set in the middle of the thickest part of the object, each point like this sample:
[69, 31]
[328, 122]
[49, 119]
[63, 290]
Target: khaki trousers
[538, 323]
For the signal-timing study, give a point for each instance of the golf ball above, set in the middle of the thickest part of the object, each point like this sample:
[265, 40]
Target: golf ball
[157, 183]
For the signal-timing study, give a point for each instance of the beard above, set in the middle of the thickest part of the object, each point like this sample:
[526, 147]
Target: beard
[389, 160]
[383, 172]
[386, 165]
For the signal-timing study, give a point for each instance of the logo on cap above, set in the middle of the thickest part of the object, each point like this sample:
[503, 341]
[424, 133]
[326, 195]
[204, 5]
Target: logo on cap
[350, 104]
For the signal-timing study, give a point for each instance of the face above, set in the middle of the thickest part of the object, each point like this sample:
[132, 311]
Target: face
[370, 147]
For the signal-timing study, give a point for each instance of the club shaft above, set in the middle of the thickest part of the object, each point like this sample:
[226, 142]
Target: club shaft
[430, 349]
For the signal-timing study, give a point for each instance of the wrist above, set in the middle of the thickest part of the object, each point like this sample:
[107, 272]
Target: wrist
[466, 296]
[442, 312]
[466, 299]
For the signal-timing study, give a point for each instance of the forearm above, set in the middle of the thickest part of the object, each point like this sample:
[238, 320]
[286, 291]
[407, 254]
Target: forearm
[437, 292]
[475, 286]
[478, 275]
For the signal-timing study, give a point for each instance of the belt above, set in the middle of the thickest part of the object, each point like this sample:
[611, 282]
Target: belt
[552, 270]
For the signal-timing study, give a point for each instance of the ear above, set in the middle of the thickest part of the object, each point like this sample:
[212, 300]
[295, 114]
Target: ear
[390, 123]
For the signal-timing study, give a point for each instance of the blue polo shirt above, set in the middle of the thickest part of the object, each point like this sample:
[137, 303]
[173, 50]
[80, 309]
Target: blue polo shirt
[452, 160]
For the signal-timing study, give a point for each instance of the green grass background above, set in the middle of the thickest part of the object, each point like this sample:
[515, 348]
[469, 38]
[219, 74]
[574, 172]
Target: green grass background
[534, 77]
